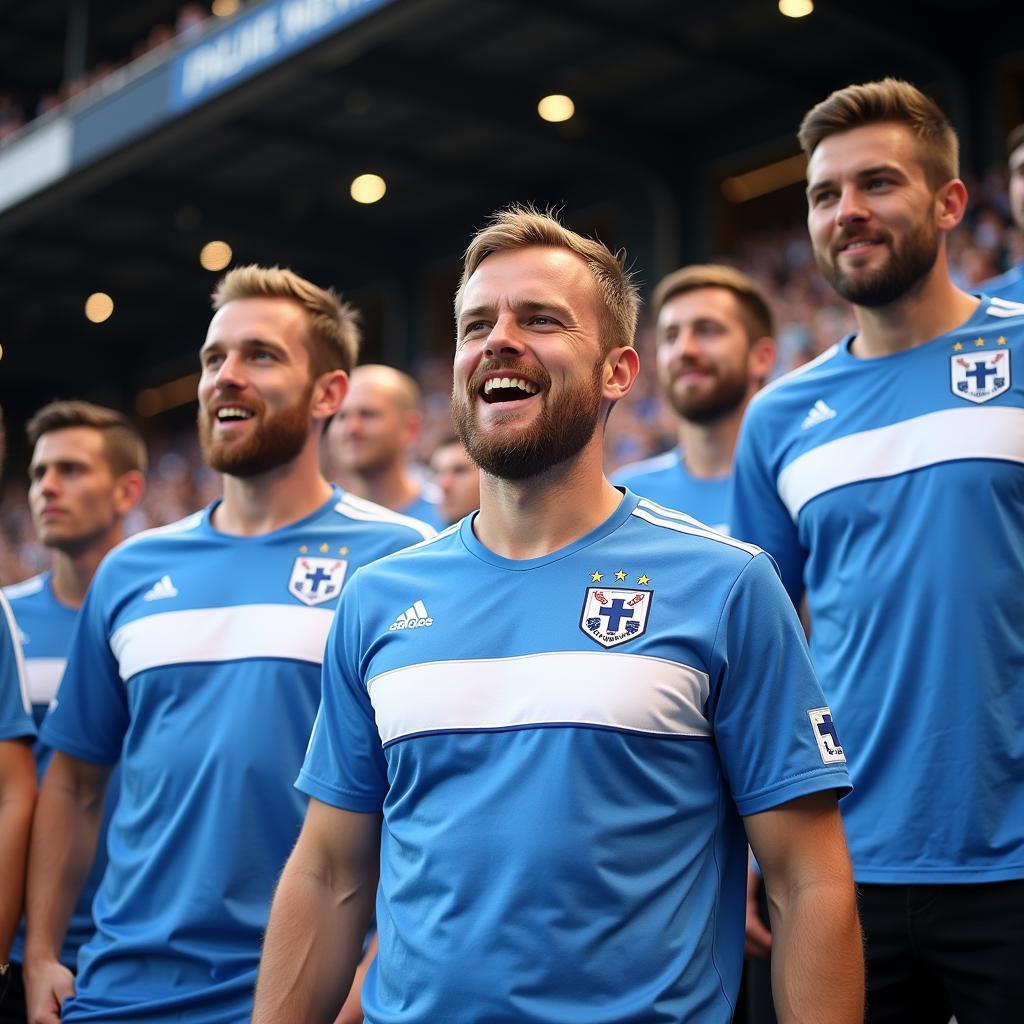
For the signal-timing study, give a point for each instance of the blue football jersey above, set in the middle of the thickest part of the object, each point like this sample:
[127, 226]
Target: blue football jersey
[196, 665]
[562, 748]
[1007, 286]
[890, 491]
[425, 507]
[666, 480]
[45, 627]
[15, 710]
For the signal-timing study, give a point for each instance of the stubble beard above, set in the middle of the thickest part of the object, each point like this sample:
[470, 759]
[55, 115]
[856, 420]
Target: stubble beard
[909, 263]
[556, 436]
[728, 395]
[276, 441]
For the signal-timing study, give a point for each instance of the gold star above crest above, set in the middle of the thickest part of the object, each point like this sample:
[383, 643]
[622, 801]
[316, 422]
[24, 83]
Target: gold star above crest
[620, 575]
[979, 342]
[643, 580]
[958, 347]
[325, 547]
[596, 577]
[342, 551]
[303, 550]
[1000, 341]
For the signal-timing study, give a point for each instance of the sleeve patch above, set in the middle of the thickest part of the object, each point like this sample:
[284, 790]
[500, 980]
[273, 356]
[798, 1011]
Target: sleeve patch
[825, 736]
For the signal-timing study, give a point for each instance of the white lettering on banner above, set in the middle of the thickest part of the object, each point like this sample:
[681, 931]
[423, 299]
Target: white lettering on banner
[230, 53]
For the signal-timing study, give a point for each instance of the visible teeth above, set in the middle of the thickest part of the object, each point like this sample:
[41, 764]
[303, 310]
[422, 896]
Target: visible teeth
[233, 414]
[509, 382]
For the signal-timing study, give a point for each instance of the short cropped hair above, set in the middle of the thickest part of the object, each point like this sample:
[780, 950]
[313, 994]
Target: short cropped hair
[756, 313]
[520, 227]
[333, 336]
[122, 443]
[891, 100]
[1015, 140]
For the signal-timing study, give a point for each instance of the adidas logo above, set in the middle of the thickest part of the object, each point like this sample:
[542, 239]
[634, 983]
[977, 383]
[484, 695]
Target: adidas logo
[161, 589]
[413, 617]
[820, 412]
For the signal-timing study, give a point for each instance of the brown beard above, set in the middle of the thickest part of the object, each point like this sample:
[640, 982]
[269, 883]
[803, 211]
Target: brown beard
[277, 440]
[558, 435]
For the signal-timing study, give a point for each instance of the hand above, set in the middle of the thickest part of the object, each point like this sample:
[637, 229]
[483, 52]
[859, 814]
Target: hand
[758, 940]
[47, 985]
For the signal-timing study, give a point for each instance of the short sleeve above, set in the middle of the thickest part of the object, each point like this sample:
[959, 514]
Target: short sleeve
[15, 708]
[757, 514]
[89, 718]
[775, 735]
[345, 764]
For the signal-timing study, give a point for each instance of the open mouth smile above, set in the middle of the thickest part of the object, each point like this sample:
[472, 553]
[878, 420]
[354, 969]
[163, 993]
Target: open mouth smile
[498, 389]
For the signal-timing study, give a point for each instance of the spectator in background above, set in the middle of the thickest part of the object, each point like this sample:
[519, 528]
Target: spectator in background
[196, 666]
[370, 440]
[885, 478]
[87, 474]
[457, 477]
[17, 776]
[715, 349]
[1011, 284]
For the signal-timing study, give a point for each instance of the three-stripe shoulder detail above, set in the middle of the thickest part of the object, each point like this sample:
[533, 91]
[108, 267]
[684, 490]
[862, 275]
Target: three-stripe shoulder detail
[670, 519]
[369, 512]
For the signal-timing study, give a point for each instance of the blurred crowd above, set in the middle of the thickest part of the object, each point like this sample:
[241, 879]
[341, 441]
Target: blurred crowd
[809, 315]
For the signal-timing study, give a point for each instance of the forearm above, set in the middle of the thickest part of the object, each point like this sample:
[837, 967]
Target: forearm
[313, 945]
[816, 947]
[17, 796]
[64, 834]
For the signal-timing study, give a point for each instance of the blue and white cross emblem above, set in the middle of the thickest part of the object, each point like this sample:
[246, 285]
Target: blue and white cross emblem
[612, 616]
[980, 376]
[316, 580]
[826, 737]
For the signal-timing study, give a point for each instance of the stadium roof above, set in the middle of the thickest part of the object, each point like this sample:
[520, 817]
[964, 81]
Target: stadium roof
[252, 130]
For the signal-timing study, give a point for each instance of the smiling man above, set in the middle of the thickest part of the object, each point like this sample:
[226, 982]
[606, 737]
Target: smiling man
[598, 695]
[898, 517]
[195, 667]
[715, 349]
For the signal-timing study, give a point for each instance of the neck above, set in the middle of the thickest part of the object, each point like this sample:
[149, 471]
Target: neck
[260, 504]
[934, 307]
[72, 573]
[391, 486]
[531, 518]
[708, 448]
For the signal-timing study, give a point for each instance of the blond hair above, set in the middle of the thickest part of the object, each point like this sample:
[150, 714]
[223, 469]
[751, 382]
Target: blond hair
[519, 227]
[754, 308]
[333, 336]
[123, 446]
[893, 100]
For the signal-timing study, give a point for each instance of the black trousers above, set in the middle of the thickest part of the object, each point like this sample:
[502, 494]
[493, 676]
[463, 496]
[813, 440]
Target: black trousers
[12, 1006]
[938, 950]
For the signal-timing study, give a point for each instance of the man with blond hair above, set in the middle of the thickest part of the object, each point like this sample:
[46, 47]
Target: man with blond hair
[370, 441]
[86, 475]
[715, 349]
[896, 514]
[195, 667]
[563, 792]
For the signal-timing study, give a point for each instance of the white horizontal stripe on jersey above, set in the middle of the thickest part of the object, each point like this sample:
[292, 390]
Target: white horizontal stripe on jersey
[234, 633]
[946, 436]
[44, 676]
[626, 692]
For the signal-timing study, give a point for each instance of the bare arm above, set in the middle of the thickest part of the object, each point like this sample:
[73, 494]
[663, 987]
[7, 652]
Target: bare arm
[319, 917]
[816, 943]
[64, 831]
[17, 795]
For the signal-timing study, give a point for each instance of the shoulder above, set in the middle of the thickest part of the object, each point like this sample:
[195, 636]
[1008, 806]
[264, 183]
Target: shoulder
[1006, 311]
[647, 467]
[182, 529]
[795, 385]
[671, 531]
[27, 588]
[359, 510]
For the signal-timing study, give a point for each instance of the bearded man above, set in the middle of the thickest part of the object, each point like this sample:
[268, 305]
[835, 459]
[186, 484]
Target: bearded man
[196, 668]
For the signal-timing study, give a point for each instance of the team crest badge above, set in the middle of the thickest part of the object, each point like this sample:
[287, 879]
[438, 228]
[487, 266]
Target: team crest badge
[315, 580]
[612, 616]
[980, 376]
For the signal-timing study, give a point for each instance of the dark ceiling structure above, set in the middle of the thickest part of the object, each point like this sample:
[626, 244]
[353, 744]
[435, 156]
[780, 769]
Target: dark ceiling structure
[439, 97]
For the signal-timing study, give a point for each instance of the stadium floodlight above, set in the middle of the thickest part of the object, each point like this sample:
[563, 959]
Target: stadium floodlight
[556, 108]
[368, 188]
[98, 307]
[796, 8]
[215, 255]
[224, 8]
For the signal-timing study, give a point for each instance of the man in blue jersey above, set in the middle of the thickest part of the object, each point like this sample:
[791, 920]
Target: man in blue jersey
[370, 441]
[195, 667]
[457, 477]
[86, 474]
[897, 516]
[564, 710]
[715, 349]
[17, 777]
[1011, 284]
